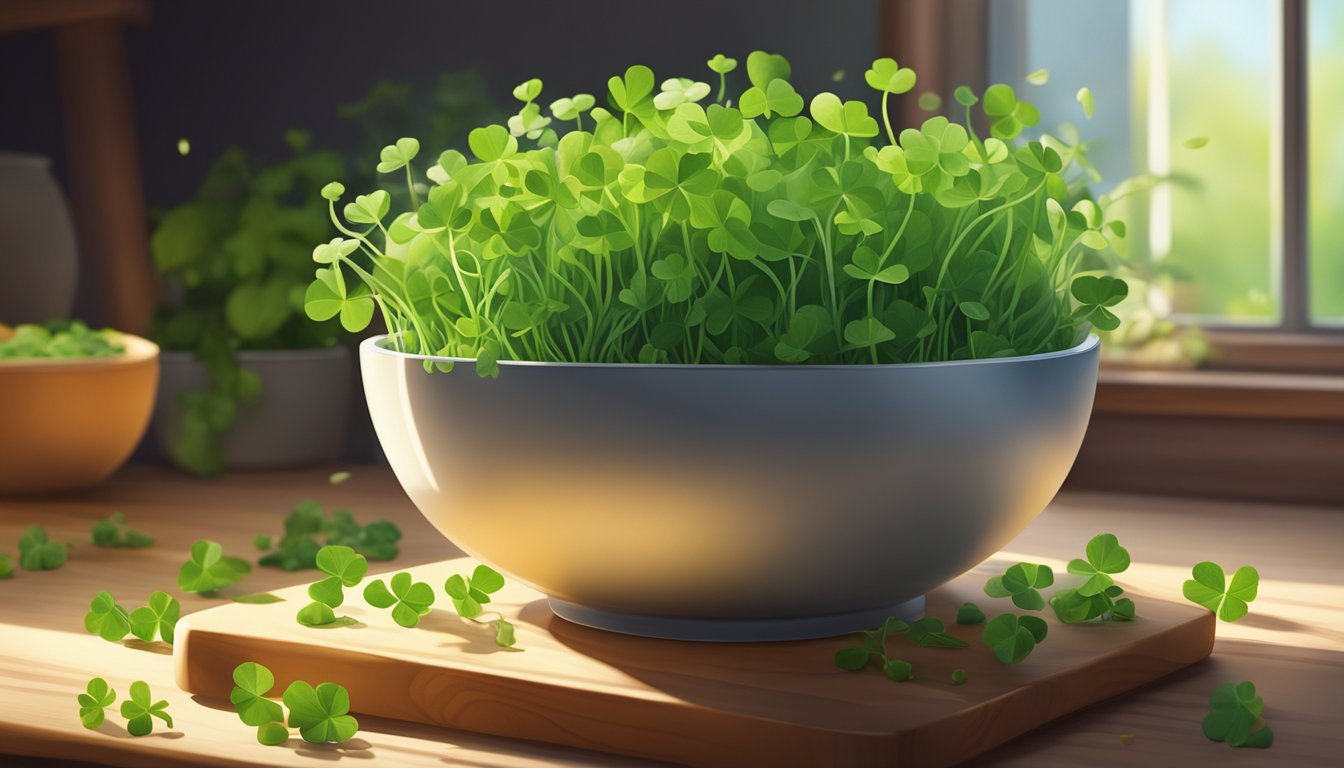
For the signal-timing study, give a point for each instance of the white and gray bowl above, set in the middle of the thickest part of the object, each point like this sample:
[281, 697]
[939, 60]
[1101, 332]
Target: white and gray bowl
[732, 502]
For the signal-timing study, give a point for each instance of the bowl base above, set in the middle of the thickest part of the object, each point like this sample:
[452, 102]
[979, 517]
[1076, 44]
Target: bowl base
[735, 630]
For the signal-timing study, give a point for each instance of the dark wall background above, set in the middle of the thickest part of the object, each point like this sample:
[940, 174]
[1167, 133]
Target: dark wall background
[222, 72]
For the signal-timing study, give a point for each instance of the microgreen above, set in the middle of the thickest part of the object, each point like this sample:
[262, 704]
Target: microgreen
[1210, 588]
[112, 532]
[38, 553]
[251, 683]
[1013, 637]
[663, 227]
[970, 613]
[958, 676]
[321, 714]
[106, 618]
[58, 340]
[208, 570]
[140, 709]
[1235, 716]
[157, 617]
[344, 568]
[93, 703]
[1021, 582]
[309, 527]
[408, 599]
[469, 594]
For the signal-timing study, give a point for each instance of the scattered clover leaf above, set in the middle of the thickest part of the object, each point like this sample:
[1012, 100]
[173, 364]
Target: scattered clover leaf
[958, 676]
[873, 646]
[970, 613]
[208, 570]
[1012, 637]
[38, 553]
[321, 714]
[393, 157]
[1235, 716]
[1105, 556]
[309, 527]
[338, 477]
[6, 567]
[139, 710]
[93, 703]
[1021, 582]
[469, 594]
[112, 532]
[504, 635]
[1210, 588]
[1087, 102]
[1095, 295]
[261, 542]
[106, 618]
[721, 64]
[1039, 77]
[344, 568]
[315, 615]
[898, 670]
[251, 683]
[408, 599]
[157, 617]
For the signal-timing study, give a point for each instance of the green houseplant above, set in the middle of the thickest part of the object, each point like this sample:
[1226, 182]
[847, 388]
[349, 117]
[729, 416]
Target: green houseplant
[792, 351]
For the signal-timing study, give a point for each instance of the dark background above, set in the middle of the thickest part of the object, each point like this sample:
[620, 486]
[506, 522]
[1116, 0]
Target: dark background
[225, 72]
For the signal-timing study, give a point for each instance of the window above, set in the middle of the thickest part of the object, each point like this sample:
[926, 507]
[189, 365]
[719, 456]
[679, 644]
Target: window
[1249, 229]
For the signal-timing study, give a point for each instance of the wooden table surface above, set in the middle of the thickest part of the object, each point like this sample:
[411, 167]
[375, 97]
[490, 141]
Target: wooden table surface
[1291, 646]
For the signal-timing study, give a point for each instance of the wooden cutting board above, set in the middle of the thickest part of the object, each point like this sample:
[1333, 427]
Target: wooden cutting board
[778, 704]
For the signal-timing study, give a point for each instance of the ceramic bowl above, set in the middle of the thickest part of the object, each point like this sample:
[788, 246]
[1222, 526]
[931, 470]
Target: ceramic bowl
[67, 424]
[725, 502]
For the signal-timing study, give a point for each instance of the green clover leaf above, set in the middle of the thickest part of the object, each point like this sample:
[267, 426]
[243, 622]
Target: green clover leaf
[763, 67]
[572, 107]
[1014, 637]
[251, 683]
[321, 714]
[529, 122]
[965, 96]
[632, 93]
[1087, 102]
[209, 570]
[1008, 116]
[867, 332]
[678, 91]
[112, 532]
[316, 615]
[6, 567]
[885, 75]
[504, 634]
[931, 633]
[935, 152]
[1020, 582]
[158, 617]
[272, 734]
[1210, 589]
[370, 208]
[528, 90]
[107, 619]
[776, 98]
[1039, 77]
[326, 298]
[393, 157]
[849, 118]
[93, 703]
[1105, 556]
[333, 191]
[344, 568]
[409, 600]
[1235, 716]
[491, 143]
[1094, 295]
[38, 553]
[469, 594]
[865, 264]
[721, 64]
[140, 710]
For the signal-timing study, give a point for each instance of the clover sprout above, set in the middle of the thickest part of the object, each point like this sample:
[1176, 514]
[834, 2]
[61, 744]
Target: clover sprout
[93, 703]
[1021, 582]
[1235, 717]
[665, 227]
[208, 570]
[140, 709]
[38, 553]
[469, 594]
[408, 599]
[1210, 588]
[321, 714]
[112, 532]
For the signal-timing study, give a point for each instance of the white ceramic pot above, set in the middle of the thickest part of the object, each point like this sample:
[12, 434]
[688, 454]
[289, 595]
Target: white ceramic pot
[38, 258]
[732, 502]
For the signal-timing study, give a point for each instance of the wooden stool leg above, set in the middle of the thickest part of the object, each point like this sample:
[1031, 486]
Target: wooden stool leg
[109, 204]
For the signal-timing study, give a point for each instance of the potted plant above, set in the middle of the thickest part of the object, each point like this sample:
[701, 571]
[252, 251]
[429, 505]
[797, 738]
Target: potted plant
[74, 402]
[740, 372]
[248, 380]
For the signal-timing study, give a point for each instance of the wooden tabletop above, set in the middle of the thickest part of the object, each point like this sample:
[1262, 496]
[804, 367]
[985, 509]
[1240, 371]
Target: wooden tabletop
[1291, 645]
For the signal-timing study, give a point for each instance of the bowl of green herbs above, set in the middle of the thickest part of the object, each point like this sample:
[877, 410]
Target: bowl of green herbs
[717, 361]
[74, 403]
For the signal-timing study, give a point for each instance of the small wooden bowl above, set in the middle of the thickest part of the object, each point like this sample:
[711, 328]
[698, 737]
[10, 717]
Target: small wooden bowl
[67, 424]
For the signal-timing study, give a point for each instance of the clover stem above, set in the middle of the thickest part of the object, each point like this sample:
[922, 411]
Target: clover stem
[886, 118]
[410, 186]
[723, 86]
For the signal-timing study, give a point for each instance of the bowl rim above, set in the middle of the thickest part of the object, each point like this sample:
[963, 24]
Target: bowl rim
[138, 350]
[373, 345]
